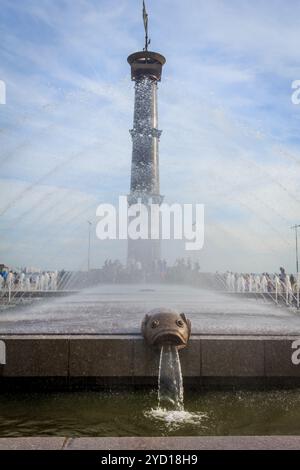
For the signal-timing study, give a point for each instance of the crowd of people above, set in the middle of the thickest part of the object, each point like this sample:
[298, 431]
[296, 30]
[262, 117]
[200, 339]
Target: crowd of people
[182, 271]
[23, 281]
[279, 283]
[113, 271]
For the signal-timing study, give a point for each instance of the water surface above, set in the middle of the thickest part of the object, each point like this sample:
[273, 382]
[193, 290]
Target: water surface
[136, 414]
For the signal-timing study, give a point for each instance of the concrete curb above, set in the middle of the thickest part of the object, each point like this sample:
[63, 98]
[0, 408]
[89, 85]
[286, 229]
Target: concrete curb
[153, 443]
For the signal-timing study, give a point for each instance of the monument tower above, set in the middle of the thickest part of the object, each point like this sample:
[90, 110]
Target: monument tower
[146, 70]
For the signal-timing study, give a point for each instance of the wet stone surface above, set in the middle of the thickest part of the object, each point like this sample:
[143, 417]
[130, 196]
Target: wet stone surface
[119, 309]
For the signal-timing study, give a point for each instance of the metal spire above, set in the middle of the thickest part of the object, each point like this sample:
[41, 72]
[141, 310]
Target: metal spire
[145, 19]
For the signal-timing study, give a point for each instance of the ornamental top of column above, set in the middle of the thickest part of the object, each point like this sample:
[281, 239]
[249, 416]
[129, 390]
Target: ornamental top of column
[146, 64]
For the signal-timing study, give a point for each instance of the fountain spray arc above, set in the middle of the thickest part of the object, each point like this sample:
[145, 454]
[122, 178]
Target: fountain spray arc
[146, 71]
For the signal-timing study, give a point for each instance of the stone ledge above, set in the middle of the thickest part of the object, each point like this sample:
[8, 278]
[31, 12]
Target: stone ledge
[35, 357]
[128, 356]
[234, 358]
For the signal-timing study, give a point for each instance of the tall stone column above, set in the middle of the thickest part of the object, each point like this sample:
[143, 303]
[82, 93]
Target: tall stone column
[146, 69]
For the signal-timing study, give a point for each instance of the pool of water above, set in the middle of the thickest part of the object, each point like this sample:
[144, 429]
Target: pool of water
[136, 414]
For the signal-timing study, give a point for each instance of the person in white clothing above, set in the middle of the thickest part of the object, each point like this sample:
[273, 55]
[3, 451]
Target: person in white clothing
[264, 283]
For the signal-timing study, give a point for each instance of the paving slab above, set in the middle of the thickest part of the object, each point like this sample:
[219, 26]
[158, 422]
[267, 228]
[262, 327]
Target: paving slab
[32, 443]
[152, 443]
[186, 443]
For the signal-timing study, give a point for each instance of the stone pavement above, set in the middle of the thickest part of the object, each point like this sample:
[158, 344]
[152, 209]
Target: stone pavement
[153, 443]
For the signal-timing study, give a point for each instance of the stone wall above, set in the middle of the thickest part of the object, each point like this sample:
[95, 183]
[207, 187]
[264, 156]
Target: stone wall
[127, 360]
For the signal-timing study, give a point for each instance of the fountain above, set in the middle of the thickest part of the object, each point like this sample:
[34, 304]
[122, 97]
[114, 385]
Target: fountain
[91, 339]
[170, 331]
[164, 326]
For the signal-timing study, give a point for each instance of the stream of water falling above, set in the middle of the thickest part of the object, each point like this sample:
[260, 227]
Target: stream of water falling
[170, 408]
[170, 385]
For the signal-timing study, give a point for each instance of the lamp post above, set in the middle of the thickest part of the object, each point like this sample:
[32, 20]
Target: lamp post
[295, 227]
[89, 244]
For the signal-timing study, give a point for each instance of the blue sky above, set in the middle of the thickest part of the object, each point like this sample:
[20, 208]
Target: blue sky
[230, 131]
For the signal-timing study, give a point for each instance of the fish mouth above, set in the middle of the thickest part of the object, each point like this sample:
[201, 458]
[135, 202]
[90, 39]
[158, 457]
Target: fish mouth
[173, 337]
